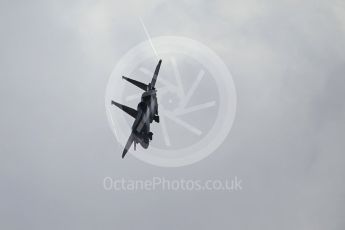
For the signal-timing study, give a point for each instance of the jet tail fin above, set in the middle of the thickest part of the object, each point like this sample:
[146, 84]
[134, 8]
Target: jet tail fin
[136, 83]
[128, 110]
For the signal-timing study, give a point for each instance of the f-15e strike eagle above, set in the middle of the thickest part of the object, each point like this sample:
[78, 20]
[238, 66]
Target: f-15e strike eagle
[146, 113]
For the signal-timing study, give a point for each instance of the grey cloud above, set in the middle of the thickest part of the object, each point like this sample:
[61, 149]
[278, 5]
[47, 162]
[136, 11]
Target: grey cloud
[286, 144]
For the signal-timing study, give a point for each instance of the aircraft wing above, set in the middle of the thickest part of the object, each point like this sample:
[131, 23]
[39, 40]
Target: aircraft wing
[155, 75]
[128, 145]
[136, 83]
[128, 110]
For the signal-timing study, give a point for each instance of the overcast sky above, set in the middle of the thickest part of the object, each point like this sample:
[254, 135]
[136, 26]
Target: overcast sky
[287, 142]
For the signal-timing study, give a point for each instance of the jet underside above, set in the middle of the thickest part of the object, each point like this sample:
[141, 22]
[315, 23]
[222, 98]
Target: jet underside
[144, 115]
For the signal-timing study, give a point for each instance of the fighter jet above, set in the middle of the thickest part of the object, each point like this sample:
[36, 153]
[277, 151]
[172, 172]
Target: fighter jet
[144, 115]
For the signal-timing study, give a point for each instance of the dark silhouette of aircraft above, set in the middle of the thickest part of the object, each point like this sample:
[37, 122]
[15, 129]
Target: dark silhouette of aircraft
[146, 113]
